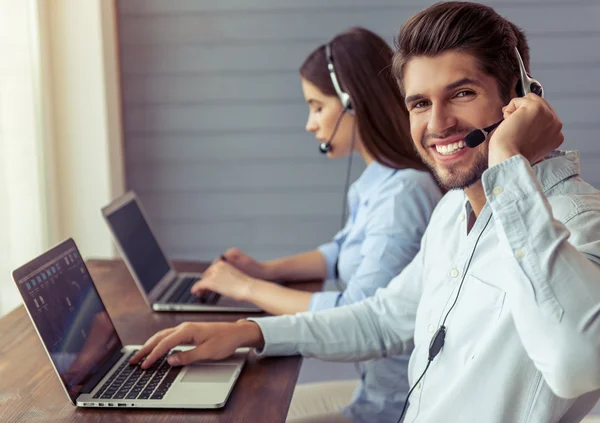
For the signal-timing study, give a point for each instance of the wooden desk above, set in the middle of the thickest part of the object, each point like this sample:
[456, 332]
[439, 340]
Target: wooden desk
[30, 390]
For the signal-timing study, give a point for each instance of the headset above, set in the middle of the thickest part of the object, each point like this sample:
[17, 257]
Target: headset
[325, 147]
[525, 86]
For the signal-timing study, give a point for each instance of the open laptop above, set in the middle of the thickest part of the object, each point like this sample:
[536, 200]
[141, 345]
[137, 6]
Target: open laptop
[88, 355]
[161, 286]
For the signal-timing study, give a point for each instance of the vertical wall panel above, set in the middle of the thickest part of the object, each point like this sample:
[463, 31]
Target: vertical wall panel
[214, 113]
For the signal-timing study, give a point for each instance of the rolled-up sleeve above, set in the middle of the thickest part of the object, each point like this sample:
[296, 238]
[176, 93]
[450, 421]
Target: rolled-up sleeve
[331, 252]
[380, 326]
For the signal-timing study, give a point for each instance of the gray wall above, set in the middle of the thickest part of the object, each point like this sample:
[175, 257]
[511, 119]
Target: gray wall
[214, 115]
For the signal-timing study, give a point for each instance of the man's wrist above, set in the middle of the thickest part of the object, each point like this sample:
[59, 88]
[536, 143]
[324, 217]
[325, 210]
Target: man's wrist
[498, 155]
[251, 335]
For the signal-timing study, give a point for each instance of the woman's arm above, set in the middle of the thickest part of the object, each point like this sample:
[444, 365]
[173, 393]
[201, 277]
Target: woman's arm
[227, 280]
[303, 266]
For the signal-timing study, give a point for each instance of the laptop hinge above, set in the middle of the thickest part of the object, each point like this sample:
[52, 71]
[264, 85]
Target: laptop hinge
[166, 284]
[89, 386]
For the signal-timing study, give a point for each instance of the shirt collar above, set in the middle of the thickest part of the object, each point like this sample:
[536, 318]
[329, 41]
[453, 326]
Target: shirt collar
[371, 178]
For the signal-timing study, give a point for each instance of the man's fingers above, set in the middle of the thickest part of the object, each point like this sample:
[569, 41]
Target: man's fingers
[149, 345]
[177, 337]
[184, 358]
[527, 104]
[514, 104]
[161, 348]
[208, 349]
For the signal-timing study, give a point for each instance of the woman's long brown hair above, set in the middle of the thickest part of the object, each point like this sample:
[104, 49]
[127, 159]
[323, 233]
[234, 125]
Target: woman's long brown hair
[363, 67]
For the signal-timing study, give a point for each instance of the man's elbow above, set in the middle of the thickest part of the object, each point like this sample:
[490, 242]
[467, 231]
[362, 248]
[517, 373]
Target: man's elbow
[574, 376]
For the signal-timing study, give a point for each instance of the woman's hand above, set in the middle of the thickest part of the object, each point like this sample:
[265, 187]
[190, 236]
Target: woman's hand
[225, 279]
[247, 264]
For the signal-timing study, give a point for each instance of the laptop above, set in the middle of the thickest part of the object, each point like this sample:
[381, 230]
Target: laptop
[88, 355]
[162, 287]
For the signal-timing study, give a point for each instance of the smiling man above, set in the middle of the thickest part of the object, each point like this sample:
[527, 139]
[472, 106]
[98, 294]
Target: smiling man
[448, 105]
[502, 303]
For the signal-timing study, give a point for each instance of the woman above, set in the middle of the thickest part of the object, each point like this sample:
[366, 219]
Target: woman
[389, 208]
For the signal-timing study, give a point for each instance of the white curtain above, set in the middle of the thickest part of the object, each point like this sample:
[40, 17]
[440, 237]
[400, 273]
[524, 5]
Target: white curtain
[22, 217]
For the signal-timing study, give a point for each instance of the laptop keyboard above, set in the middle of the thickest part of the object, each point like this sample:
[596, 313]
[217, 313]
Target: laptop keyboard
[183, 295]
[132, 382]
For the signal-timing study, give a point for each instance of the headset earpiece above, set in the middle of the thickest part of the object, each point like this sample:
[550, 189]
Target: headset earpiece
[527, 84]
[343, 96]
[325, 147]
[534, 87]
[537, 89]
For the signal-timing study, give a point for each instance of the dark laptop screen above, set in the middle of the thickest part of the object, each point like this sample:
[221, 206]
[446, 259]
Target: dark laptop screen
[68, 314]
[139, 245]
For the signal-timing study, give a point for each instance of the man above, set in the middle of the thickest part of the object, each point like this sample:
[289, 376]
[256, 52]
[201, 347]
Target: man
[509, 268]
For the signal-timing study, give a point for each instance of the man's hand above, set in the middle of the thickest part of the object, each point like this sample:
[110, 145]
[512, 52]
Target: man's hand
[214, 341]
[530, 128]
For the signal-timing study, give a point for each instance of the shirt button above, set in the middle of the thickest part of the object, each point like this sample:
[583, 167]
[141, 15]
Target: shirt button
[430, 329]
[454, 273]
[520, 253]
[462, 217]
[498, 190]
[419, 386]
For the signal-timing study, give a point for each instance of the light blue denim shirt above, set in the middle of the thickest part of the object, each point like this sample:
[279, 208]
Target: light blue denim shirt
[388, 213]
[523, 340]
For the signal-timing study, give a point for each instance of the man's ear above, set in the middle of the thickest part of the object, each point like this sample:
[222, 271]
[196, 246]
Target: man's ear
[517, 88]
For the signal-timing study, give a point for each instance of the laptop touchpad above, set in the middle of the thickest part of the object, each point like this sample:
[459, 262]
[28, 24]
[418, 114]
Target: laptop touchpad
[211, 373]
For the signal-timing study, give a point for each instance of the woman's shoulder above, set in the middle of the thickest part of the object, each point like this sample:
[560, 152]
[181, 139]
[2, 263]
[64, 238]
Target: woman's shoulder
[401, 181]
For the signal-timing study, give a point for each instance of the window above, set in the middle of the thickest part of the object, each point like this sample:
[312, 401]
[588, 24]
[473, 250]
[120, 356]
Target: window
[22, 224]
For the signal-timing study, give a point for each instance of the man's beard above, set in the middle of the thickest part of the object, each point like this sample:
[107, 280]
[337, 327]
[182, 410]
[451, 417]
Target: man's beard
[454, 178]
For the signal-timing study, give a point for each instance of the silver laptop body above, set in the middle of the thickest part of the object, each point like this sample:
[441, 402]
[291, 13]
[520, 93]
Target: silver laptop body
[160, 285]
[88, 355]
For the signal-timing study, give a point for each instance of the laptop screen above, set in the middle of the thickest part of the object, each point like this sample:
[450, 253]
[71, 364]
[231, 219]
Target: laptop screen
[138, 244]
[69, 315]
